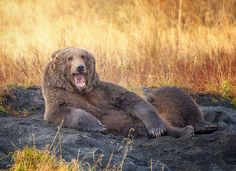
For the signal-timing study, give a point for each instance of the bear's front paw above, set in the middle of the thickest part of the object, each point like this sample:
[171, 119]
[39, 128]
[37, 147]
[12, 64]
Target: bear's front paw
[158, 131]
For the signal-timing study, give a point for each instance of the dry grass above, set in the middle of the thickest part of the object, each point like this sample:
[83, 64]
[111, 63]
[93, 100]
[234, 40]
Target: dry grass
[145, 42]
[31, 158]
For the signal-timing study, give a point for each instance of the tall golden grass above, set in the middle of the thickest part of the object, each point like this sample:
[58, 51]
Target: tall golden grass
[187, 43]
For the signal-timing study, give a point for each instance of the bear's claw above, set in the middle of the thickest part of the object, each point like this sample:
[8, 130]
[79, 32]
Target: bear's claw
[157, 132]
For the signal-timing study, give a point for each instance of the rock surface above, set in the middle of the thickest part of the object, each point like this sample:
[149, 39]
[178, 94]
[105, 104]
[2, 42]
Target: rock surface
[215, 151]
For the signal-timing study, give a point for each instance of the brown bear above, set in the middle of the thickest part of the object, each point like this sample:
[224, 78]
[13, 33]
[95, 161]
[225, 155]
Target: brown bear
[178, 109]
[76, 97]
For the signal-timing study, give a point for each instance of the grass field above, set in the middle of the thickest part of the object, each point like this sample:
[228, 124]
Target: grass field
[191, 44]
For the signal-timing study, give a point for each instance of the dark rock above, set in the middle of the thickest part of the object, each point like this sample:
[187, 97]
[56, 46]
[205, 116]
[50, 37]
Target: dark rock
[205, 99]
[215, 151]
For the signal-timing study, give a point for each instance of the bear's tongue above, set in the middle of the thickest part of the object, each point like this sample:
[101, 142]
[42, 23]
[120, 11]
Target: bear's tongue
[79, 80]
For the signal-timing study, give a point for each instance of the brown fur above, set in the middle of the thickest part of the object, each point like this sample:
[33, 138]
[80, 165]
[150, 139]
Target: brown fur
[100, 105]
[178, 109]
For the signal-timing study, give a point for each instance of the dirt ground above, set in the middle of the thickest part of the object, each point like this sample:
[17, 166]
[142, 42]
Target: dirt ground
[215, 151]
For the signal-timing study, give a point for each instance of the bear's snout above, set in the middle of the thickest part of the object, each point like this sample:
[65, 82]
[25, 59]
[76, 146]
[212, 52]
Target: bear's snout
[80, 69]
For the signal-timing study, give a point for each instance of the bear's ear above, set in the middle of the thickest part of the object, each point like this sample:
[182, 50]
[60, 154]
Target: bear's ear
[56, 53]
[60, 52]
[146, 91]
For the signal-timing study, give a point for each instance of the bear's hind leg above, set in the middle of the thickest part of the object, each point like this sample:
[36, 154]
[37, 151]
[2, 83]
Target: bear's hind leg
[204, 127]
[196, 119]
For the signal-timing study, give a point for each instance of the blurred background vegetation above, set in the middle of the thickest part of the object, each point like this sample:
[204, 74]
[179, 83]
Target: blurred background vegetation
[191, 44]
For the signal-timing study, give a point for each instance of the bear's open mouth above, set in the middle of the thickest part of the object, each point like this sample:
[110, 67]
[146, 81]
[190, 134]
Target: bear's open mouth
[79, 79]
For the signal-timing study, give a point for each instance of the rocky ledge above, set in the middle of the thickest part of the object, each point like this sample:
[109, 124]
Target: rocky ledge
[215, 151]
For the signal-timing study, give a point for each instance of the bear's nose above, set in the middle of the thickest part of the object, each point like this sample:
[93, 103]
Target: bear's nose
[80, 68]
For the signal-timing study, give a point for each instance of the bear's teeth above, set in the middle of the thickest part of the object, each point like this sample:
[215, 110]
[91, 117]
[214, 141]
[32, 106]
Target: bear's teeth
[79, 80]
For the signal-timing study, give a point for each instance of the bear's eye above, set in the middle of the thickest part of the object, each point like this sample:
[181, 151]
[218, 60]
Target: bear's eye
[82, 56]
[70, 58]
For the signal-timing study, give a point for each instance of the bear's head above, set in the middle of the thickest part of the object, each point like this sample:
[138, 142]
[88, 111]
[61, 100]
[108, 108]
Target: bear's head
[73, 69]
